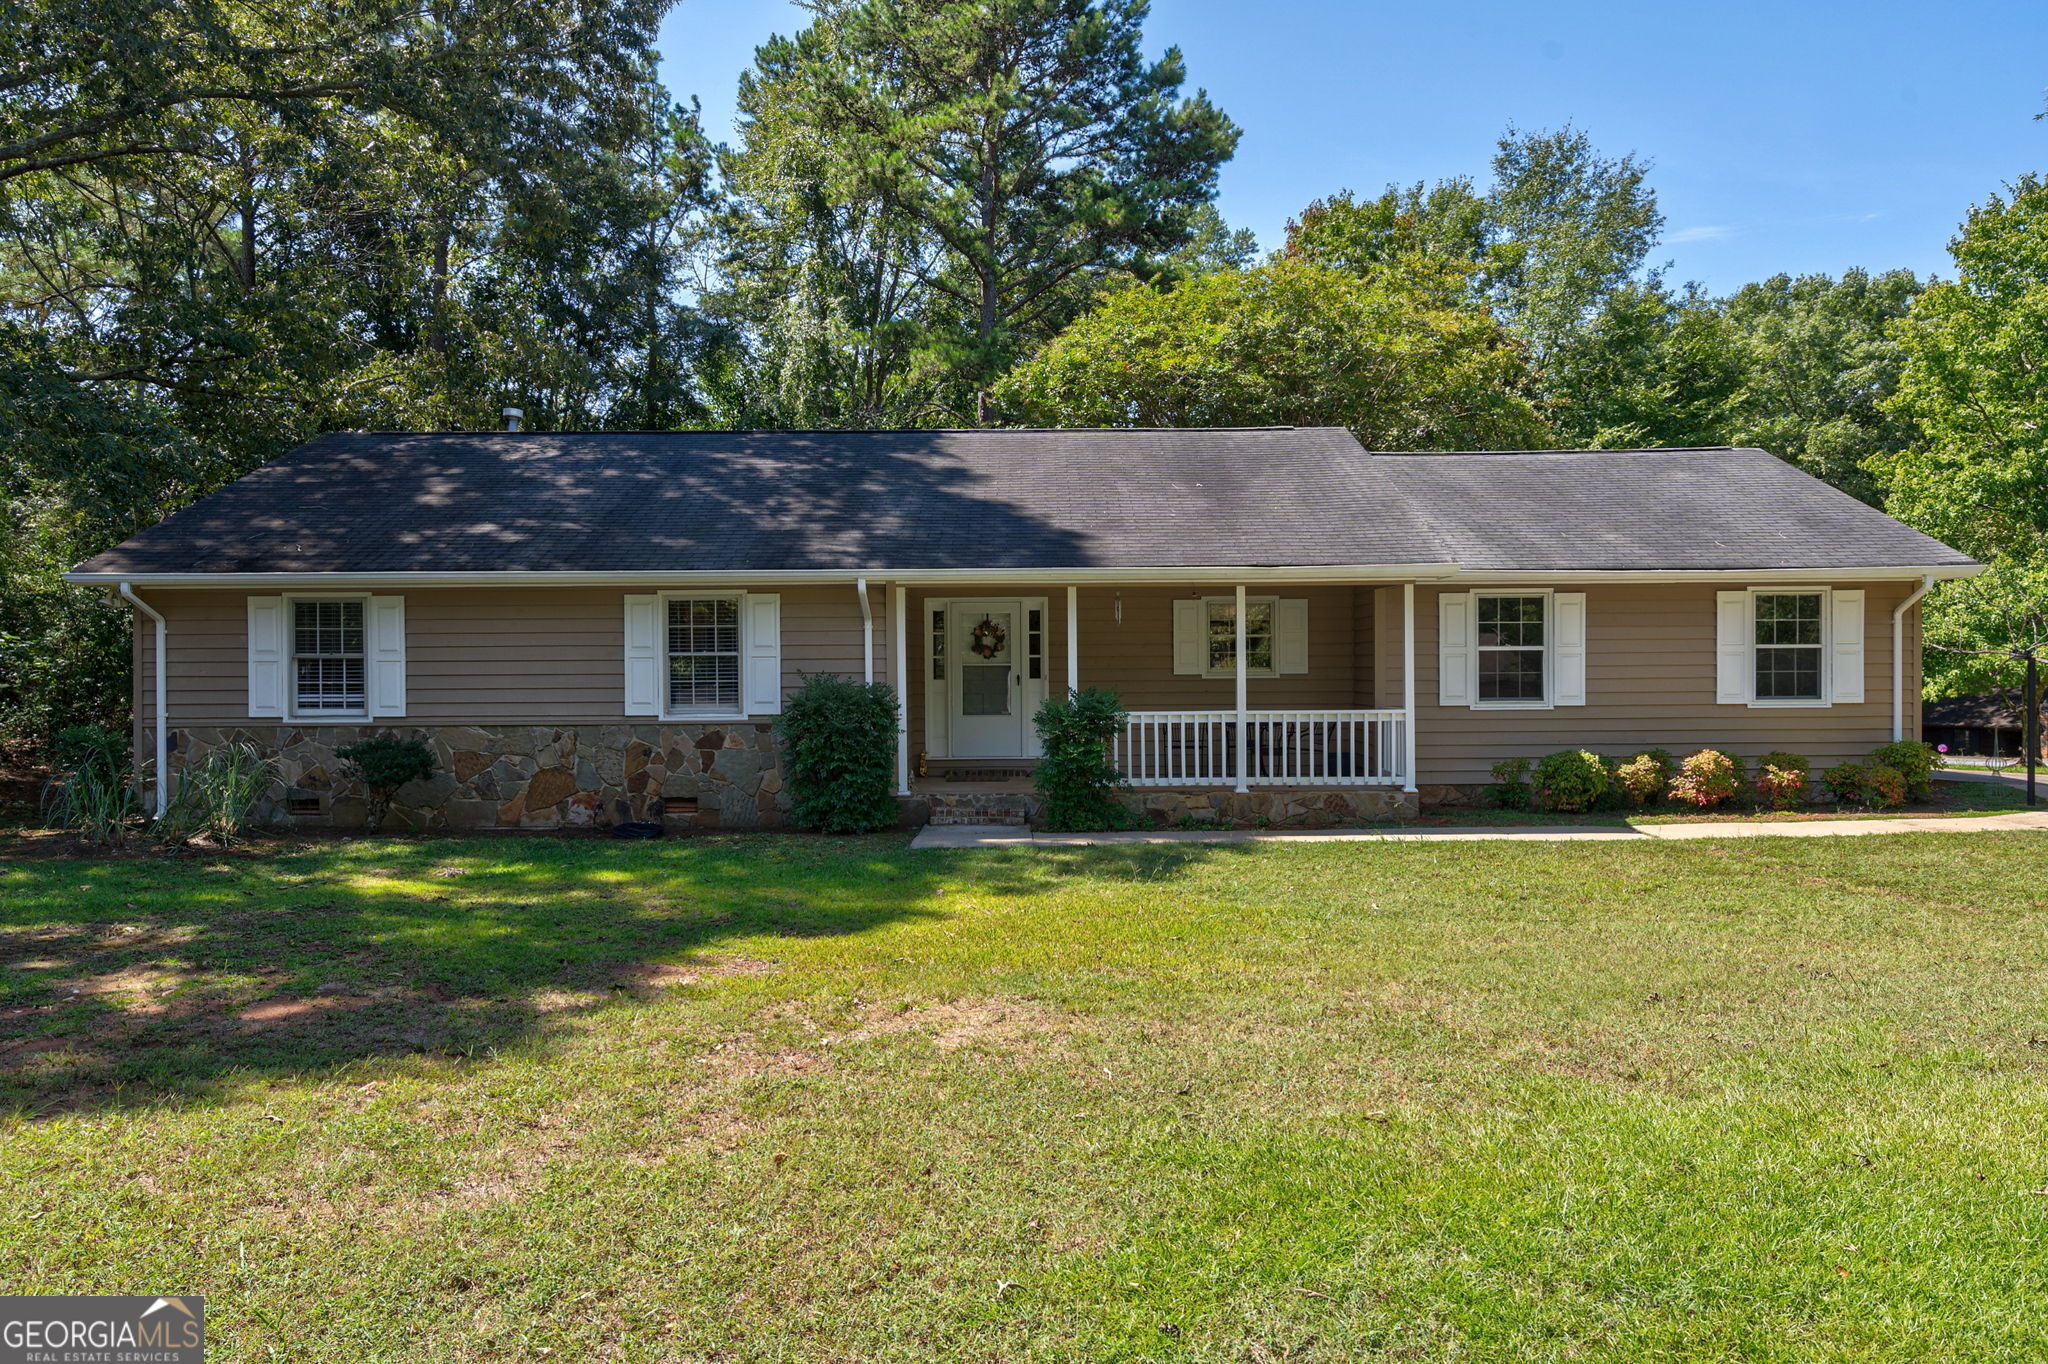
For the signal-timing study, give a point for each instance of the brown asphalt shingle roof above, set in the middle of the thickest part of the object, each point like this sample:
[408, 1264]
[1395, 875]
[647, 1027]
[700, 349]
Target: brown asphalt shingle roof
[742, 502]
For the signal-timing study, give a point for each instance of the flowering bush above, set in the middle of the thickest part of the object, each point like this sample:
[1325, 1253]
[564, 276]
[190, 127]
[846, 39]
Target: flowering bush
[1781, 779]
[1913, 761]
[1642, 779]
[1510, 789]
[1572, 779]
[1706, 779]
[1846, 782]
[1887, 787]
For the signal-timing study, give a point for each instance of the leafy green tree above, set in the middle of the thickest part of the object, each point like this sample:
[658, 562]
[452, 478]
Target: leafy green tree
[1288, 343]
[1557, 232]
[224, 229]
[1027, 143]
[1976, 381]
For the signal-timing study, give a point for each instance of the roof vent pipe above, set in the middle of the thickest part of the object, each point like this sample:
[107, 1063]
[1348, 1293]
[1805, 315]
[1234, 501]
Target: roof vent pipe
[513, 418]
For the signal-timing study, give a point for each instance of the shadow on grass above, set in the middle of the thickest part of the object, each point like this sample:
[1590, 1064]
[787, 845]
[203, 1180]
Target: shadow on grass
[142, 981]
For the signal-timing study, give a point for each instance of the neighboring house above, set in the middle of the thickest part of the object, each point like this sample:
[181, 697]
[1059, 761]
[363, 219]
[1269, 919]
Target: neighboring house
[1975, 726]
[592, 627]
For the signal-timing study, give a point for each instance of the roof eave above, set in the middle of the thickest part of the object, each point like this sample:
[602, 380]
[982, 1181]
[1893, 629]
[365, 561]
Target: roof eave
[1293, 573]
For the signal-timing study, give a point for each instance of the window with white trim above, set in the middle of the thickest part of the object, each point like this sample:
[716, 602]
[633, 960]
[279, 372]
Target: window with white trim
[1788, 645]
[1511, 647]
[1258, 635]
[704, 655]
[329, 661]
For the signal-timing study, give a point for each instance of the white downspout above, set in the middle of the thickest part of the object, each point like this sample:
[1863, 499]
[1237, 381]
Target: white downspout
[1408, 686]
[161, 667]
[1073, 641]
[867, 631]
[899, 598]
[1899, 656]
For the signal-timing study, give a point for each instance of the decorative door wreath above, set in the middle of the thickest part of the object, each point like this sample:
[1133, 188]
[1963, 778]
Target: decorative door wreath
[987, 638]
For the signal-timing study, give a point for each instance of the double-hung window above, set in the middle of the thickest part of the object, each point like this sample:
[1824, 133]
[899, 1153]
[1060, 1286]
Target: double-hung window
[1511, 648]
[329, 662]
[1789, 645]
[704, 655]
[1258, 635]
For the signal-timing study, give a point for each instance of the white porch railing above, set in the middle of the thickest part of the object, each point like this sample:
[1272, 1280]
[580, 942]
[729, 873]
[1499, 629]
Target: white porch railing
[1282, 747]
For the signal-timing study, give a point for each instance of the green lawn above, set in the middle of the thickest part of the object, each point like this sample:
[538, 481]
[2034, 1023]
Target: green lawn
[789, 1099]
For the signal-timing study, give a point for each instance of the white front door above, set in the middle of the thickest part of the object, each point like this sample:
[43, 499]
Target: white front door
[987, 692]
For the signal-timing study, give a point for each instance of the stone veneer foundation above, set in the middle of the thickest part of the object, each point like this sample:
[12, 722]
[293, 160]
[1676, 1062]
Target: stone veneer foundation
[724, 776]
[526, 776]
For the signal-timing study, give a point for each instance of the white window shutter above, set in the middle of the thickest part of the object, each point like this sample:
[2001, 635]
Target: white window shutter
[764, 653]
[1845, 624]
[1568, 649]
[1190, 638]
[643, 654]
[1454, 648]
[267, 656]
[384, 619]
[1290, 636]
[1731, 648]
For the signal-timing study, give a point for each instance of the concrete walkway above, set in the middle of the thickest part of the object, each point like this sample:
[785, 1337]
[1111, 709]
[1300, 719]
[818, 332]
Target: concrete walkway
[1010, 836]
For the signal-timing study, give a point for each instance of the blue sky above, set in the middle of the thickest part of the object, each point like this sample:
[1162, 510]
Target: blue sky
[1790, 136]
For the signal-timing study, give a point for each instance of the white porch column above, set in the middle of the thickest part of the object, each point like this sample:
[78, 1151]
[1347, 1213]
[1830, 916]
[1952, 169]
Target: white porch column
[899, 656]
[1243, 781]
[1073, 639]
[1408, 686]
[867, 631]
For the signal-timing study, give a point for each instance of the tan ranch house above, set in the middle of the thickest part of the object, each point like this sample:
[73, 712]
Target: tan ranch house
[593, 628]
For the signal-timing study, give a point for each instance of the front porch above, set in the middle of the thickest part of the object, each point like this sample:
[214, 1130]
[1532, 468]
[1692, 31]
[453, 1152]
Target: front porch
[1297, 690]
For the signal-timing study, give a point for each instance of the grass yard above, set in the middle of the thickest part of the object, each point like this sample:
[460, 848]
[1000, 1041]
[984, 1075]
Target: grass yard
[789, 1099]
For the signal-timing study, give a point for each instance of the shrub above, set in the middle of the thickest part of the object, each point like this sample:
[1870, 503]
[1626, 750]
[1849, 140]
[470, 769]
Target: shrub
[79, 745]
[1641, 780]
[216, 794]
[383, 765]
[1076, 781]
[1887, 787]
[1913, 761]
[1781, 779]
[839, 748]
[1706, 779]
[1848, 783]
[94, 791]
[1572, 779]
[1510, 789]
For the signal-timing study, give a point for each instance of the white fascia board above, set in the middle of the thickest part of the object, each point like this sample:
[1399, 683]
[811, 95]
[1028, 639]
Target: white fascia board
[1513, 577]
[1317, 573]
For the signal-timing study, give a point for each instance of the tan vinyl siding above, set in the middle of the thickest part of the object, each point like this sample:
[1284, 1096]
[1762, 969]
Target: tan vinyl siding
[544, 655]
[1136, 657]
[1650, 683]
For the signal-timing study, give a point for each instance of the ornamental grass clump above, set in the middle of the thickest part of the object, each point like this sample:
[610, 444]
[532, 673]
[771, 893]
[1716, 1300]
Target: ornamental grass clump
[1706, 779]
[383, 765]
[1781, 779]
[94, 793]
[217, 795]
[839, 748]
[1913, 761]
[1641, 780]
[1077, 783]
[1573, 779]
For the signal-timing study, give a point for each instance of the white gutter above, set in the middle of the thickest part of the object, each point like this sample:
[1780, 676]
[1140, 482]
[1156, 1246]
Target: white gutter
[1899, 655]
[867, 631]
[1204, 573]
[162, 728]
[1390, 574]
